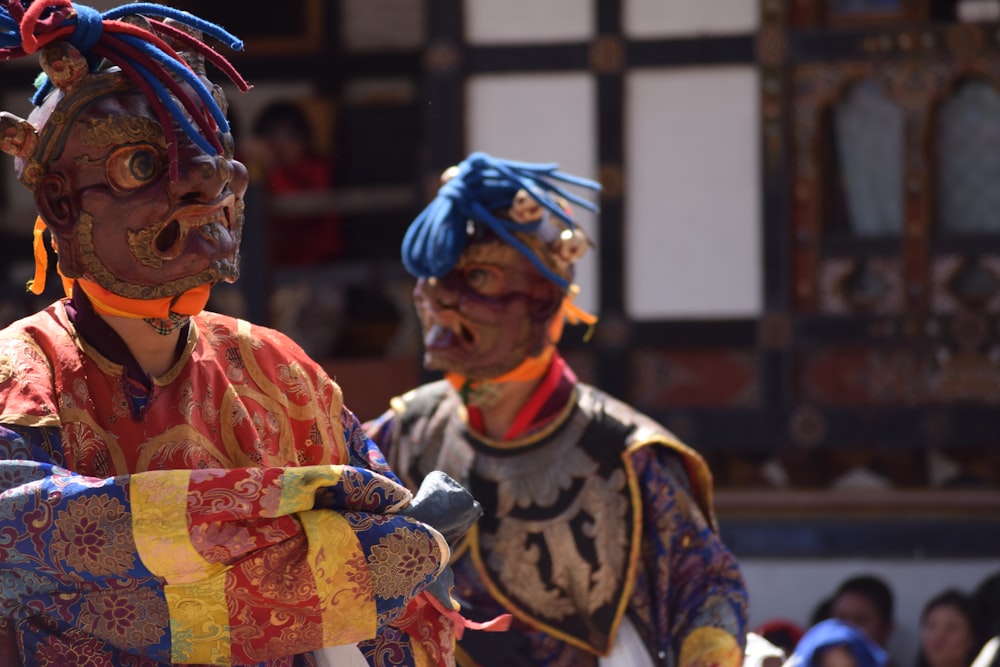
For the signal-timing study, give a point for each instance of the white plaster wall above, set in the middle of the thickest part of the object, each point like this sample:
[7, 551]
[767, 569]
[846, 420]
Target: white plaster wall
[791, 589]
[373, 25]
[689, 18]
[541, 118]
[692, 182]
[524, 21]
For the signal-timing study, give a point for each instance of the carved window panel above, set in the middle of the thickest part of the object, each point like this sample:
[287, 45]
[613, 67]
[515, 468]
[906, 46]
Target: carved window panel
[963, 367]
[866, 285]
[964, 247]
[968, 164]
[894, 160]
[661, 381]
[865, 159]
[960, 283]
[851, 147]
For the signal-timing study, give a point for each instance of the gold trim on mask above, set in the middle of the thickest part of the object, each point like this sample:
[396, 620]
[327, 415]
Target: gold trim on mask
[55, 129]
[118, 130]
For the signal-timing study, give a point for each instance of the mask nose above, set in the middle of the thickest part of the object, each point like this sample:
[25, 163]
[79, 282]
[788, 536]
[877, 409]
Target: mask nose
[203, 177]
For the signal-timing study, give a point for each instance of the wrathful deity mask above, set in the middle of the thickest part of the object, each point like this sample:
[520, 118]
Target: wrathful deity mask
[122, 222]
[494, 254]
[488, 314]
[135, 200]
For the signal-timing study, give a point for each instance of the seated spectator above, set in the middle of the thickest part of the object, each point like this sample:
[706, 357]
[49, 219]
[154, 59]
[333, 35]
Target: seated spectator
[285, 149]
[951, 631]
[835, 643]
[821, 611]
[866, 601]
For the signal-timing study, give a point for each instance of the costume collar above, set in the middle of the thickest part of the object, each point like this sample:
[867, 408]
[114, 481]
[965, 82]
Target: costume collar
[547, 402]
[106, 342]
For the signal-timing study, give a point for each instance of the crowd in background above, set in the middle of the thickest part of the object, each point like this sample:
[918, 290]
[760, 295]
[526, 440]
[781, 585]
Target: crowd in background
[852, 627]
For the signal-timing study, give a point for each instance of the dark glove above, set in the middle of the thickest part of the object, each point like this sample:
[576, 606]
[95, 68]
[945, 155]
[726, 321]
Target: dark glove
[445, 505]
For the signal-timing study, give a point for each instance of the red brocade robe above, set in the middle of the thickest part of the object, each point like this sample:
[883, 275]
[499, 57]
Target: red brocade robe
[241, 518]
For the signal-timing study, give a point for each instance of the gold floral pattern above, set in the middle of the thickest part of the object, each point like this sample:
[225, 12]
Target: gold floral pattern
[400, 561]
[293, 378]
[276, 574]
[6, 368]
[95, 536]
[190, 552]
[54, 653]
[356, 573]
[135, 620]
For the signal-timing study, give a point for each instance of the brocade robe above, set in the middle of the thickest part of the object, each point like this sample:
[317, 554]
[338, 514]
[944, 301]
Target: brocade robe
[241, 517]
[593, 512]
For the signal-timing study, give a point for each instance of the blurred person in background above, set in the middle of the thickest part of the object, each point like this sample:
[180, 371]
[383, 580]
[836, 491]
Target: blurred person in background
[836, 643]
[283, 147]
[782, 633]
[867, 602]
[952, 628]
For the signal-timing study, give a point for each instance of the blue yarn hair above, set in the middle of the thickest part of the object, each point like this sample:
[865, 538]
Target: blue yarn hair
[483, 184]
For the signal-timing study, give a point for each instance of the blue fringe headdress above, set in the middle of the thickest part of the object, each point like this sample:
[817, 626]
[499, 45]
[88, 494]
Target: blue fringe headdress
[144, 51]
[479, 188]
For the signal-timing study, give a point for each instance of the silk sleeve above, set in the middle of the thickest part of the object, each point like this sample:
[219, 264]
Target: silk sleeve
[204, 566]
[364, 447]
[379, 429]
[700, 601]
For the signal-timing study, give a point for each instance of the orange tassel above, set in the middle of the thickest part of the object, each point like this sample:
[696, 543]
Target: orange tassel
[574, 314]
[37, 284]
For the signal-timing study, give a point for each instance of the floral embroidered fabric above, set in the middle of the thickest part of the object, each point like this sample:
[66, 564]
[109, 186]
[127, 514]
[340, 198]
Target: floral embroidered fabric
[599, 513]
[247, 520]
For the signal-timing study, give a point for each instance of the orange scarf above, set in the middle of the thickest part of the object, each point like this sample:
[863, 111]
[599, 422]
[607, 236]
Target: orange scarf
[190, 302]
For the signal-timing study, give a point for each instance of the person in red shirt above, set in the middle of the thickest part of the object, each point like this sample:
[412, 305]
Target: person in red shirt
[284, 143]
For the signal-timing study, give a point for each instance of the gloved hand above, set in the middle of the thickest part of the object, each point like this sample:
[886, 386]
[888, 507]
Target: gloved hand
[445, 505]
[448, 507]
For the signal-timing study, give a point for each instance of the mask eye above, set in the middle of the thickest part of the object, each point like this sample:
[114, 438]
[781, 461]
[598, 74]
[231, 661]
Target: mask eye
[484, 279]
[131, 167]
